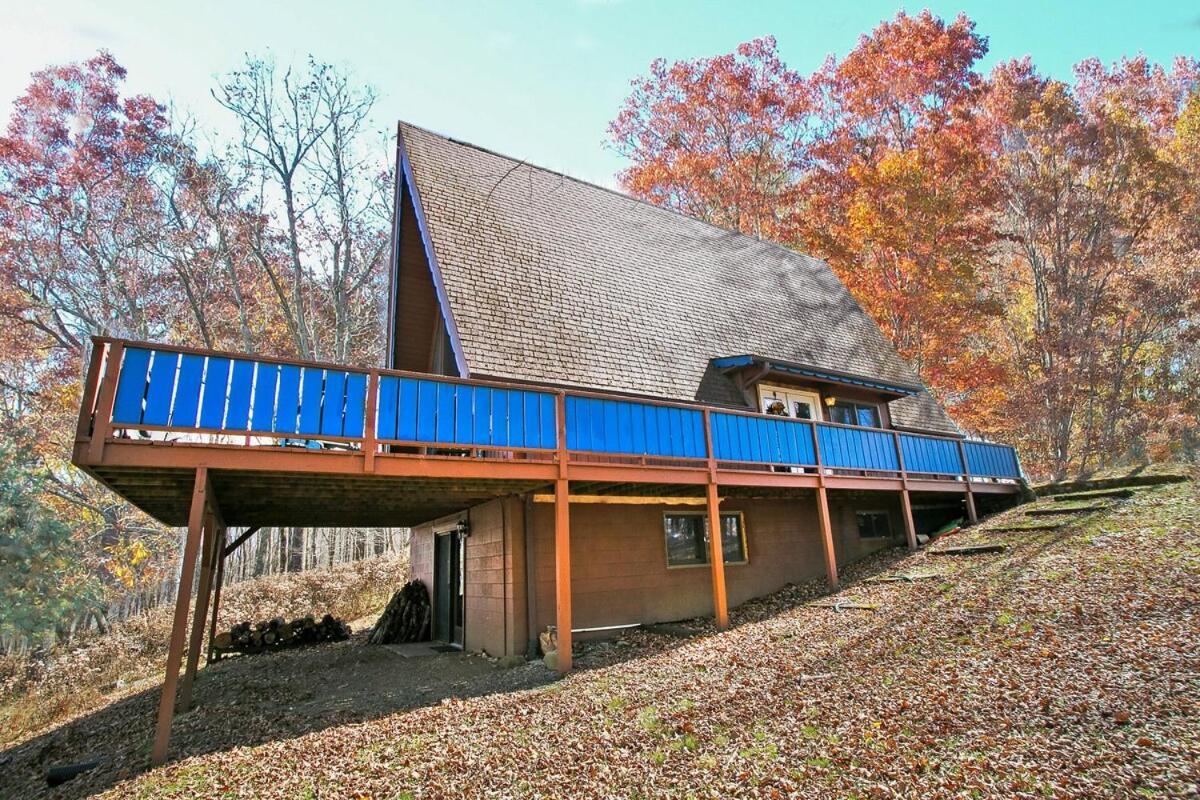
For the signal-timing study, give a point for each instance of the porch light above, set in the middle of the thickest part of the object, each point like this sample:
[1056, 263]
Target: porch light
[830, 401]
[463, 528]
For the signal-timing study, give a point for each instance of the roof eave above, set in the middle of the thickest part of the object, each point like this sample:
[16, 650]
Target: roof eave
[817, 373]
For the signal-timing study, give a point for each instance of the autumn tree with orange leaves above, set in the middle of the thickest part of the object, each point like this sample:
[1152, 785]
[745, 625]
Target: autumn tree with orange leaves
[1025, 243]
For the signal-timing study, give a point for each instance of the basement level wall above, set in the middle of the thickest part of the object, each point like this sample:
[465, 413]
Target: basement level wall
[619, 565]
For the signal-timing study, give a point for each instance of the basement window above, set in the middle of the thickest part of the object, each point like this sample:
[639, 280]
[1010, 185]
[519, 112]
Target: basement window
[874, 525]
[687, 538]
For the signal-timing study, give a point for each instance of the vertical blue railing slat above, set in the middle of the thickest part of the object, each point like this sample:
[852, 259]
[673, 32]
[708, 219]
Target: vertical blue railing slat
[481, 430]
[549, 420]
[131, 385]
[162, 385]
[333, 405]
[532, 420]
[263, 417]
[444, 414]
[187, 391]
[237, 413]
[408, 398]
[287, 404]
[500, 414]
[464, 414]
[312, 382]
[386, 407]
[356, 396]
[216, 380]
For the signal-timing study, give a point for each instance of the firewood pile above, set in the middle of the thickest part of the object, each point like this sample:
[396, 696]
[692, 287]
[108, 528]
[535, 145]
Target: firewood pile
[276, 634]
[406, 618]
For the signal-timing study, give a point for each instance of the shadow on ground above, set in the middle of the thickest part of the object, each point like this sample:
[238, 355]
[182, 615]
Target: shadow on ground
[246, 701]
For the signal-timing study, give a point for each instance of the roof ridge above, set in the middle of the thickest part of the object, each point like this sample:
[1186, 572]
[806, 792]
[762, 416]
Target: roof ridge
[624, 196]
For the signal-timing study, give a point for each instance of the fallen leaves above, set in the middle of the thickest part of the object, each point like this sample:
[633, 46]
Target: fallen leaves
[926, 697]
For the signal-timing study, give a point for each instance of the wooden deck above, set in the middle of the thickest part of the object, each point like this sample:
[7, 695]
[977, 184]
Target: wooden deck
[294, 443]
[217, 440]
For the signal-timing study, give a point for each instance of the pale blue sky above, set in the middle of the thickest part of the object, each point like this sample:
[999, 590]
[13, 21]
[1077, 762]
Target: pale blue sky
[538, 80]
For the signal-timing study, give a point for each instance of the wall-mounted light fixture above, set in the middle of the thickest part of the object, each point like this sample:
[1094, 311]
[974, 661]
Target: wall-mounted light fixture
[830, 401]
[464, 527]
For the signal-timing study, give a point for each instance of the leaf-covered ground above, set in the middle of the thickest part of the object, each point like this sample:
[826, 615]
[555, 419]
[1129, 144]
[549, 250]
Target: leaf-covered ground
[99, 671]
[1066, 666]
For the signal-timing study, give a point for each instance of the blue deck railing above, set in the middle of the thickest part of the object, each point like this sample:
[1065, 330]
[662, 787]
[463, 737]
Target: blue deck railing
[163, 388]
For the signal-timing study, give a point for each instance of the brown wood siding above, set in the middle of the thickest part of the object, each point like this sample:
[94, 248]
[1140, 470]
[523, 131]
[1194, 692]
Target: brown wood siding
[494, 571]
[619, 567]
[417, 308]
[420, 556]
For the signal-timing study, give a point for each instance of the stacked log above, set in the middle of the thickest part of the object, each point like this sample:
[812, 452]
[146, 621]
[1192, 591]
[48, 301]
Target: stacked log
[276, 634]
[406, 618]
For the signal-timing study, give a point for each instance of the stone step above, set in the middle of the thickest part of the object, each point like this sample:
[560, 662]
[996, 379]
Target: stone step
[1030, 527]
[1051, 511]
[1096, 494]
[971, 549]
[1117, 482]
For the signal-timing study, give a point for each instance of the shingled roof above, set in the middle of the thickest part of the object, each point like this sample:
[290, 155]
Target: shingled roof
[552, 279]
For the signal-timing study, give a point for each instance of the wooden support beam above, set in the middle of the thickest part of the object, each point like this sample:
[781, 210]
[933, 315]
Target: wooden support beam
[562, 543]
[83, 428]
[910, 530]
[166, 703]
[218, 580]
[369, 445]
[209, 550]
[107, 395]
[716, 557]
[972, 516]
[562, 572]
[239, 541]
[827, 548]
[716, 553]
[624, 500]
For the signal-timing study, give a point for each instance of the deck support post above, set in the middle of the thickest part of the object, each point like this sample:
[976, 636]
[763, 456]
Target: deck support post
[716, 553]
[562, 544]
[716, 556]
[218, 580]
[208, 551]
[910, 530]
[831, 570]
[972, 516]
[106, 396]
[827, 548]
[369, 446]
[166, 703]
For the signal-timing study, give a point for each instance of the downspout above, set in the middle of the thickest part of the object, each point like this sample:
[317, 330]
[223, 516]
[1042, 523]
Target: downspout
[531, 648]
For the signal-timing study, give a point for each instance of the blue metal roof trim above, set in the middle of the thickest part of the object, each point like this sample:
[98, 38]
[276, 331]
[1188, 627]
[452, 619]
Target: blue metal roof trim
[730, 362]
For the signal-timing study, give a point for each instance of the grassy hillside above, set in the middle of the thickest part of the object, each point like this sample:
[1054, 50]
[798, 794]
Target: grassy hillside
[1066, 666]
